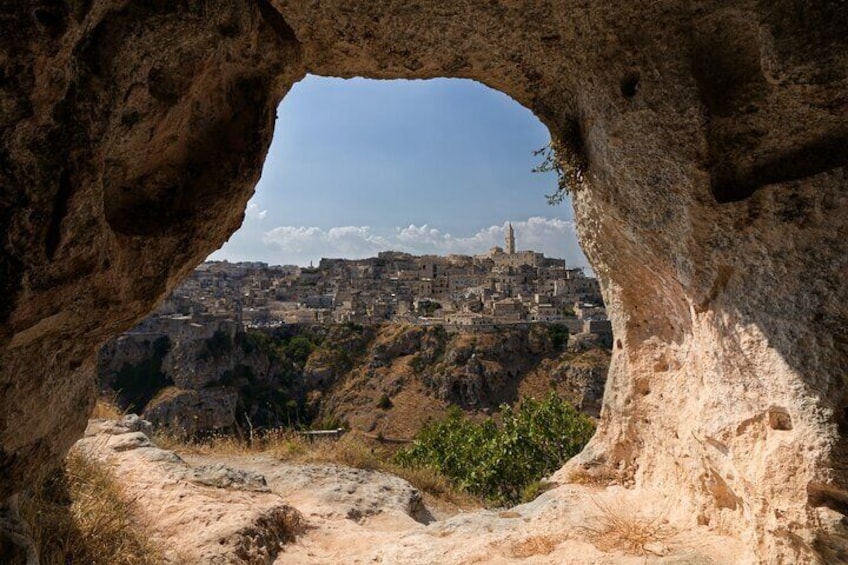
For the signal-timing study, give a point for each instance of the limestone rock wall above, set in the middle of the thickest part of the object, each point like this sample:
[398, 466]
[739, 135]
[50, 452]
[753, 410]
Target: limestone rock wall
[714, 210]
[132, 137]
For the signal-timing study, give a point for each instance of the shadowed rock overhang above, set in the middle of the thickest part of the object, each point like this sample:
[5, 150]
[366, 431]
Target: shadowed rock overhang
[714, 211]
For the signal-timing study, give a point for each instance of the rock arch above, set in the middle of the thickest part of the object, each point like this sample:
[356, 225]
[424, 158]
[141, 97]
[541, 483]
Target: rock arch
[715, 212]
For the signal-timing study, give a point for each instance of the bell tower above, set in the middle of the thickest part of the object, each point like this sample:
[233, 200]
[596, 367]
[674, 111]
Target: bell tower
[510, 239]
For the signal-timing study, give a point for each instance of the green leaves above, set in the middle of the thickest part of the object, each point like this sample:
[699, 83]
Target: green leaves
[564, 155]
[499, 462]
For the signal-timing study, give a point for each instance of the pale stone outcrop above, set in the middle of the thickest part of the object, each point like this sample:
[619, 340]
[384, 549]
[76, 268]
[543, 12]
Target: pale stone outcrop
[359, 516]
[714, 211]
[195, 514]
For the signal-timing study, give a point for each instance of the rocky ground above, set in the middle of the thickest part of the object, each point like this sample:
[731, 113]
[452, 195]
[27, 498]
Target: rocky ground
[258, 509]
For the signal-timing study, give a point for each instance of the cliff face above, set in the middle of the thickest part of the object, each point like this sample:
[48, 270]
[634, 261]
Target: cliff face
[384, 380]
[195, 381]
[714, 210]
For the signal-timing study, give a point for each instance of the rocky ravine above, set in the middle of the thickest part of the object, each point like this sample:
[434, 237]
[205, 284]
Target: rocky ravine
[714, 211]
[376, 379]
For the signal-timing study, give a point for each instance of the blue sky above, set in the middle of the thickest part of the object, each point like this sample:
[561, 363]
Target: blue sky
[439, 166]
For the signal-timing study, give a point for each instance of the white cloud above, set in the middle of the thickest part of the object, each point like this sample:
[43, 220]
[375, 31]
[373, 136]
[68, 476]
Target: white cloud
[252, 212]
[299, 244]
[313, 242]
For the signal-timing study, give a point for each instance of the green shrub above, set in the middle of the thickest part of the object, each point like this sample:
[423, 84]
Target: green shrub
[385, 402]
[499, 462]
[217, 346]
[138, 383]
[559, 335]
[281, 345]
[299, 348]
[427, 307]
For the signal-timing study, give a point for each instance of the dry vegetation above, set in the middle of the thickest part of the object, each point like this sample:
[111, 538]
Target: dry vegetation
[107, 409]
[350, 450]
[594, 478]
[80, 514]
[535, 545]
[619, 527]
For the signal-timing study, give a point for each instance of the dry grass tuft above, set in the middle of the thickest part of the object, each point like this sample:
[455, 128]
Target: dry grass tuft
[107, 409]
[436, 485]
[80, 514]
[348, 450]
[217, 444]
[619, 527]
[535, 545]
[594, 479]
[275, 528]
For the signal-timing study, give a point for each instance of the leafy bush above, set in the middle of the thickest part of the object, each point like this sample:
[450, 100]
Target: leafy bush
[217, 346]
[427, 307]
[299, 348]
[281, 346]
[559, 335]
[385, 402]
[499, 462]
[138, 383]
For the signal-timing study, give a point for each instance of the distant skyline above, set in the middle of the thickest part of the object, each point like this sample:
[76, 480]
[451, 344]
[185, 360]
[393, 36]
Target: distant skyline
[427, 167]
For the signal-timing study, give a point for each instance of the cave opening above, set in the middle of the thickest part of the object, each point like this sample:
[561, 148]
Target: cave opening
[358, 166]
[427, 188]
[128, 156]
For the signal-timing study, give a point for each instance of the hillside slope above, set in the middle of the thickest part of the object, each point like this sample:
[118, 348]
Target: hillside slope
[383, 380]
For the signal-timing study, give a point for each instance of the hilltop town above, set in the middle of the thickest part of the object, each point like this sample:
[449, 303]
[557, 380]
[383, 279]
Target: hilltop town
[503, 286]
[284, 344]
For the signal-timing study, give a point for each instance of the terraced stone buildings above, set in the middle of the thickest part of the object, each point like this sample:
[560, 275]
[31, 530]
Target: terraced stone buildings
[457, 290]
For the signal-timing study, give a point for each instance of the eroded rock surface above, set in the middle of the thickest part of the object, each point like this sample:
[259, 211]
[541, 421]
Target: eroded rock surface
[363, 517]
[327, 491]
[187, 412]
[132, 136]
[205, 514]
[714, 211]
